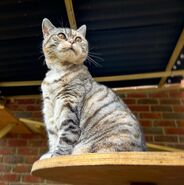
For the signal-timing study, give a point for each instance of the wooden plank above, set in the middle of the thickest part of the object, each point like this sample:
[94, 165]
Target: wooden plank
[163, 168]
[175, 54]
[70, 13]
[104, 79]
[6, 129]
[34, 126]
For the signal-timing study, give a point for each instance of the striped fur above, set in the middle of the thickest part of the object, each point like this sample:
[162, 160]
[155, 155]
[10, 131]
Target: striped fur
[81, 115]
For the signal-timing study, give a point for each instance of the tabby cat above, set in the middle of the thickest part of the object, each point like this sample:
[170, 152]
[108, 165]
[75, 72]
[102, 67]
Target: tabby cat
[81, 115]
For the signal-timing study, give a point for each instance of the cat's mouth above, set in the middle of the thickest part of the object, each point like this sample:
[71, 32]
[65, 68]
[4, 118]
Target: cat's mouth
[69, 49]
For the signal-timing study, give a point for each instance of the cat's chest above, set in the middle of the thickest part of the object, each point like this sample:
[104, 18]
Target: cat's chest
[51, 81]
[53, 76]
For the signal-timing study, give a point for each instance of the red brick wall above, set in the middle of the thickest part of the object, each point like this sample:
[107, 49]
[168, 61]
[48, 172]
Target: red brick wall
[161, 115]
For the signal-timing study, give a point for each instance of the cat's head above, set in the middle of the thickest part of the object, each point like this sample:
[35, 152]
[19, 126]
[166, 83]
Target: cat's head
[64, 45]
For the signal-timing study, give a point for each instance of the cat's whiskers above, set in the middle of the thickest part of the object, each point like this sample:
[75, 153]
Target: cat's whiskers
[94, 55]
[91, 60]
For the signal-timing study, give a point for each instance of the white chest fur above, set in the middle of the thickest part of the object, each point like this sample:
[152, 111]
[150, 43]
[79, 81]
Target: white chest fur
[53, 75]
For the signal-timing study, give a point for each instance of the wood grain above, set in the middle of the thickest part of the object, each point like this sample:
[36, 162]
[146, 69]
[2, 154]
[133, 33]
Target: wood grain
[162, 168]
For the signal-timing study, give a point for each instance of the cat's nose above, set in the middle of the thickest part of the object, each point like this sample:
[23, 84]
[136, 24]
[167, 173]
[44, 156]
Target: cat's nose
[71, 41]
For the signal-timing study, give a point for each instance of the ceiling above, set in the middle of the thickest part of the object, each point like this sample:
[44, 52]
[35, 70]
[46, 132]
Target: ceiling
[127, 37]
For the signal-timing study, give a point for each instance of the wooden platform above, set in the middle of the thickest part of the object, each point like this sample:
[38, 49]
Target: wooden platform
[125, 168]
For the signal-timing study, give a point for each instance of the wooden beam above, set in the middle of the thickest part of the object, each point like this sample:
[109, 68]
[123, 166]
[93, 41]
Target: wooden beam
[6, 129]
[162, 148]
[103, 79]
[122, 90]
[34, 126]
[20, 83]
[37, 124]
[70, 13]
[139, 76]
[152, 88]
[174, 56]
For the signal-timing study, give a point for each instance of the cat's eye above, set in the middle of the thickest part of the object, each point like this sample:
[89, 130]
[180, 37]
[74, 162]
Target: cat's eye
[61, 36]
[78, 39]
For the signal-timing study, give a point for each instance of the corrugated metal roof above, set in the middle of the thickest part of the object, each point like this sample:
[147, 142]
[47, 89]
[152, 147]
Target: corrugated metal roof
[131, 36]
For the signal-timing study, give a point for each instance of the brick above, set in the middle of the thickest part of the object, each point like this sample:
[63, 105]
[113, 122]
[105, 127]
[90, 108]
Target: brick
[27, 136]
[181, 139]
[173, 115]
[10, 177]
[28, 151]
[25, 101]
[17, 142]
[3, 183]
[178, 108]
[145, 123]
[161, 108]
[122, 96]
[38, 143]
[147, 101]
[33, 108]
[7, 151]
[30, 159]
[5, 168]
[22, 168]
[159, 95]
[37, 115]
[13, 107]
[49, 182]
[38, 101]
[137, 95]
[149, 138]
[31, 179]
[164, 123]
[3, 142]
[43, 150]
[180, 123]
[166, 139]
[174, 131]
[139, 108]
[177, 146]
[1, 158]
[176, 94]
[153, 130]
[12, 159]
[12, 135]
[170, 101]
[23, 114]
[30, 136]
[150, 115]
[129, 101]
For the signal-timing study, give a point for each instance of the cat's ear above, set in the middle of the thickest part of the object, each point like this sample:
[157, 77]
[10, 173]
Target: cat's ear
[47, 26]
[82, 30]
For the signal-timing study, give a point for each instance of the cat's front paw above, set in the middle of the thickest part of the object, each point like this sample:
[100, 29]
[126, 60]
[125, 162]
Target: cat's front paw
[46, 156]
[54, 153]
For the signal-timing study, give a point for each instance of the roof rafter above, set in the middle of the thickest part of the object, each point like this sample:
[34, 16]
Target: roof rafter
[173, 58]
[70, 14]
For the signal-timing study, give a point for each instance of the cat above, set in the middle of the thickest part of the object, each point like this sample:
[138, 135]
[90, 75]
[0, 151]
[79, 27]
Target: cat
[81, 115]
